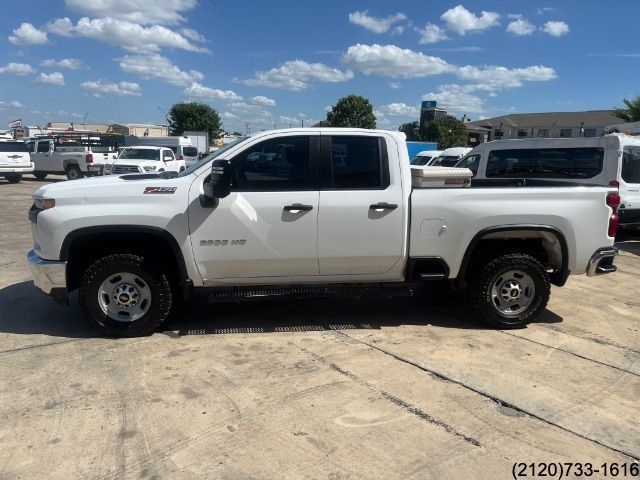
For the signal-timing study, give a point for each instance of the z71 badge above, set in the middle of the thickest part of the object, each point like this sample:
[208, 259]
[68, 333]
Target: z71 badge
[169, 190]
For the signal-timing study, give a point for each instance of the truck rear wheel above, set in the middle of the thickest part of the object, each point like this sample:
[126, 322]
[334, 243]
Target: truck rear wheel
[510, 291]
[40, 175]
[14, 178]
[125, 296]
[74, 172]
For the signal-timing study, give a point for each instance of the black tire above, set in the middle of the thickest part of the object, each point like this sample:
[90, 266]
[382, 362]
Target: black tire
[74, 172]
[40, 175]
[111, 265]
[14, 178]
[509, 268]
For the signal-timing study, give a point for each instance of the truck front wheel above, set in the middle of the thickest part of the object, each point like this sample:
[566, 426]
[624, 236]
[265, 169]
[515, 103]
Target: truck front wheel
[510, 291]
[74, 172]
[125, 296]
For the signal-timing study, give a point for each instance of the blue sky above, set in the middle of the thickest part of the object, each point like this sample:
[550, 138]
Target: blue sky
[281, 62]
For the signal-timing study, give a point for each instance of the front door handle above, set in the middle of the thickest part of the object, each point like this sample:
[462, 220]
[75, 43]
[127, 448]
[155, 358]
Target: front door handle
[383, 206]
[298, 207]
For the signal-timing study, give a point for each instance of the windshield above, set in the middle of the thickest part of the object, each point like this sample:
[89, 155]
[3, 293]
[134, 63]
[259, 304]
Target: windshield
[140, 154]
[631, 165]
[13, 147]
[210, 157]
[421, 160]
[448, 161]
[190, 151]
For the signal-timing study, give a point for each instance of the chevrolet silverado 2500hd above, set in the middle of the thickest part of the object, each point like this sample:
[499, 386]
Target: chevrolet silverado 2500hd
[334, 214]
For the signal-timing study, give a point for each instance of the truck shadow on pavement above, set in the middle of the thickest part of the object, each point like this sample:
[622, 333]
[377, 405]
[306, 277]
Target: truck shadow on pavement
[629, 243]
[25, 311]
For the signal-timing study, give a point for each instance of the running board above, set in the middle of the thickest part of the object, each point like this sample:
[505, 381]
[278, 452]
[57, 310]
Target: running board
[239, 294]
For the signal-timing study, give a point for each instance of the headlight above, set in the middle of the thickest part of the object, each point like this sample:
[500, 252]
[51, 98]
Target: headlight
[44, 203]
[149, 169]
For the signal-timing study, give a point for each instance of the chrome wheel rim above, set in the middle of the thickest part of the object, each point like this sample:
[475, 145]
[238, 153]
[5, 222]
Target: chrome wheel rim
[124, 297]
[512, 292]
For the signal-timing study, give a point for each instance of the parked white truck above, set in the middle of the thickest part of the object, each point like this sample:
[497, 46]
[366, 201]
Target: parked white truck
[51, 156]
[15, 160]
[341, 218]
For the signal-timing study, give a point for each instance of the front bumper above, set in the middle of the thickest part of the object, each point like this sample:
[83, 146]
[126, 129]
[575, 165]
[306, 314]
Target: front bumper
[49, 276]
[602, 261]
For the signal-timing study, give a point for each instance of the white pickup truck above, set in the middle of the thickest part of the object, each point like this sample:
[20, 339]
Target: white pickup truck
[341, 218]
[14, 160]
[73, 161]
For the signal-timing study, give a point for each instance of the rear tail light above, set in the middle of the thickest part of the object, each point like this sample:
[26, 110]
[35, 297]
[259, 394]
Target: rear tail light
[89, 158]
[613, 201]
[181, 157]
[614, 183]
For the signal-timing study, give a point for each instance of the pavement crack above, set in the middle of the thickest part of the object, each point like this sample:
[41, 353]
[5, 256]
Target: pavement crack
[570, 353]
[407, 407]
[493, 398]
[580, 334]
[39, 345]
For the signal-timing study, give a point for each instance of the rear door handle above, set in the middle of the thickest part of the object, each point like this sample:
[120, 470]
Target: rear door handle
[383, 206]
[298, 207]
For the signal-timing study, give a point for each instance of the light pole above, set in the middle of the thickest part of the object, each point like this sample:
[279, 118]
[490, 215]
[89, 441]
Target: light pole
[166, 118]
[84, 120]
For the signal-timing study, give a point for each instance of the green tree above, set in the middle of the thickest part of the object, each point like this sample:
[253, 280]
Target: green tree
[322, 123]
[631, 113]
[193, 116]
[352, 111]
[447, 131]
[411, 130]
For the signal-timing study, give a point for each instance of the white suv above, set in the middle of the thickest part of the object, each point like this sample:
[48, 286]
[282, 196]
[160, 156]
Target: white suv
[14, 160]
[145, 160]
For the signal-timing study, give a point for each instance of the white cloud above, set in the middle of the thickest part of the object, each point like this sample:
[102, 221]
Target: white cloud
[128, 35]
[461, 20]
[192, 34]
[98, 88]
[521, 27]
[11, 104]
[196, 90]
[19, 69]
[27, 34]
[229, 116]
[432, 34]
[168, 12]
[60, 26]
[157, 66]
[297, 74]
[556, 29]
[456, 99]
[394, 85]
[543, 10]
[400, 110]
[376, 24]
[393, 61]
[54, 78]
[496, 78]
[70, 63]
[264, 101]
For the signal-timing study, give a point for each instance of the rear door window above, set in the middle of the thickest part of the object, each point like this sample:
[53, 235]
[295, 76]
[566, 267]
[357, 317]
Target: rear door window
[566, 163]
[631, 165]
[43, 147]
[356, 163]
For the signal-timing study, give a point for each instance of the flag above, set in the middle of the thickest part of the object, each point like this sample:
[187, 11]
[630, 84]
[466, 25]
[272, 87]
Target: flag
[15, 123]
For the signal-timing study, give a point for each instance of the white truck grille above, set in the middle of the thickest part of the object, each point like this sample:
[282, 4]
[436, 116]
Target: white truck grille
[118, 169]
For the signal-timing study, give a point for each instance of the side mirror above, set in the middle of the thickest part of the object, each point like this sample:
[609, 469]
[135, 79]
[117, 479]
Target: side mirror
[219, 186]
